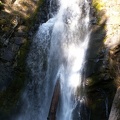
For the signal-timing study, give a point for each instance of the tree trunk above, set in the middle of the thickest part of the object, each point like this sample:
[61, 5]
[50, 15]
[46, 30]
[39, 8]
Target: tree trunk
[54, 102]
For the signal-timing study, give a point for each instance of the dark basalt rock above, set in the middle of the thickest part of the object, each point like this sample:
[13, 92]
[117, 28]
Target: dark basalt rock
[5, 76]
[8, 55]
[19, 40]
[20, 34]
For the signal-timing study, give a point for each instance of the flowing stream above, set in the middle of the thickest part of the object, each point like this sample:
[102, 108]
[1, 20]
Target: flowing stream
[58, 51]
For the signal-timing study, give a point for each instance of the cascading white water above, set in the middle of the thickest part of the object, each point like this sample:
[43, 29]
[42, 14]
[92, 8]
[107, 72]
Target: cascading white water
[72, 27]
[68, 36]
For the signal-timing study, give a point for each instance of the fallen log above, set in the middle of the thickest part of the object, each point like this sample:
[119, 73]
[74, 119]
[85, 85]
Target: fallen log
[115, 110]
[54, 102]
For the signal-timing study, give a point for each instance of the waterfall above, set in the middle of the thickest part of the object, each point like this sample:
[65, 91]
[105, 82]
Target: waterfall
[58, 51]
[72, 27]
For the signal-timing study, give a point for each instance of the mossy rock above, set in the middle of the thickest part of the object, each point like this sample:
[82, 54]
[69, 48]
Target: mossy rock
[6, 29]
[1, 5]
[98, 4]
[2, 21]
[99, 7]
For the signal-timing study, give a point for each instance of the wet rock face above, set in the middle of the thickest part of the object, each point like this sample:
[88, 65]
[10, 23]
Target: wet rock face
[15, 38]
[9, 52]
[53, 7]
[101, 65]
[19, 40]
[5, 76]
[42, 17]
[8, 55]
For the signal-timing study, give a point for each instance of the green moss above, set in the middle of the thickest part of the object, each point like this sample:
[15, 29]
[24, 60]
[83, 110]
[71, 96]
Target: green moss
[98, 4]
[6, 29]
[2, 21]
[94, 80]
[100, 11]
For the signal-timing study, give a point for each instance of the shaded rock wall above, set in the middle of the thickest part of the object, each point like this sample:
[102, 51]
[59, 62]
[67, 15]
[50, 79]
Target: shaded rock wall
[19, 19]
[102, 65]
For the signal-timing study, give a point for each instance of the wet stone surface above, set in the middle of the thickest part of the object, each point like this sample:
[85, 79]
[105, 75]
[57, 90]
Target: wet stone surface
[5, 75]
[19, 40]
[8, 55]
